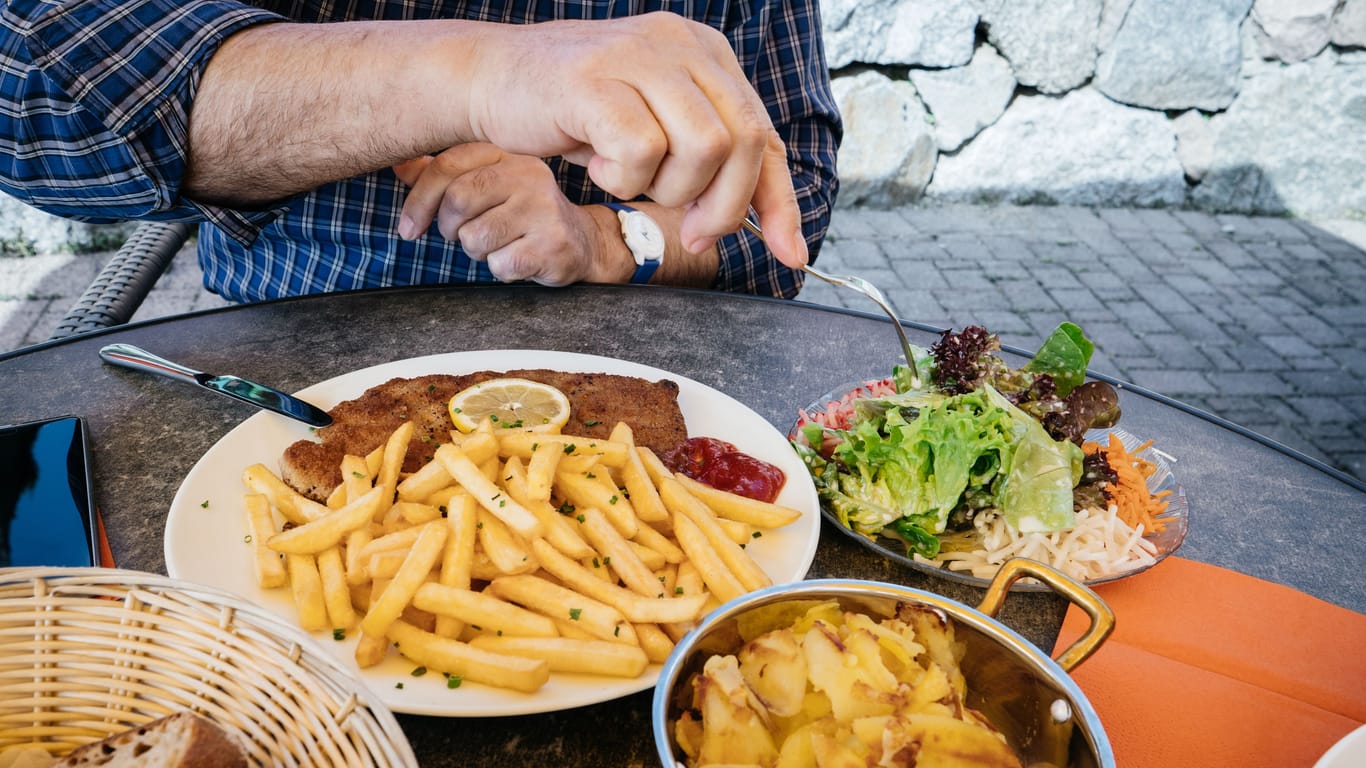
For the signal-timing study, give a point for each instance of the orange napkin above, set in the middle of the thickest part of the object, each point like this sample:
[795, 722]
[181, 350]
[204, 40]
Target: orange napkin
[1214, 668]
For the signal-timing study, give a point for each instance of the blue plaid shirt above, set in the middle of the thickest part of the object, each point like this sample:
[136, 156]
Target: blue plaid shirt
[95, 97]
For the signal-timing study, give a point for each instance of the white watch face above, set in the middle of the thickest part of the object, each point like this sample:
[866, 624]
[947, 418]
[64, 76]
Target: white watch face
[643, 236]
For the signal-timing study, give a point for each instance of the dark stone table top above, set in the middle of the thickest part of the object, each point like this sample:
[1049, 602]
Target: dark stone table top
[1255, 507]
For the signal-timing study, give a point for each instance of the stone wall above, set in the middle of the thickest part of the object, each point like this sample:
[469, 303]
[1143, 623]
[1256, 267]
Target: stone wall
[1222, 105]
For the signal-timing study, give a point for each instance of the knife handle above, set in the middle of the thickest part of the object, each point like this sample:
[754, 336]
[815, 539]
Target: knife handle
[140, 359]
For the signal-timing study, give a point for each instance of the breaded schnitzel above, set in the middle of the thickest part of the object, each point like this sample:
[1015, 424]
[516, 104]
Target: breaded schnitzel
[597, 402]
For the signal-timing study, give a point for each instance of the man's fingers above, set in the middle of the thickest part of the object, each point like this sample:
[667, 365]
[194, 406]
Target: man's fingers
[410, 171]
[628, 141]
[775, 202]
[433, 179]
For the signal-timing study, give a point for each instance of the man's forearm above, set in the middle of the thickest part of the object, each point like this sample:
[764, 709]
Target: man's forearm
[283, 108]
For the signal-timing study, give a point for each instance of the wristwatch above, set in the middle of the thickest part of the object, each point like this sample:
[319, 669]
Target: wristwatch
[643, 237]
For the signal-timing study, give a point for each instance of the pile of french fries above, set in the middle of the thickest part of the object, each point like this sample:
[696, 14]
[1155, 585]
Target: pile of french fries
[510, 555]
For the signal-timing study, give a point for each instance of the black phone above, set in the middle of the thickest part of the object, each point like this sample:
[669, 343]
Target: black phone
[47, 505]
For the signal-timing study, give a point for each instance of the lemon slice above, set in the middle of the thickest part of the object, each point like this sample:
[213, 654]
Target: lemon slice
[511, 404]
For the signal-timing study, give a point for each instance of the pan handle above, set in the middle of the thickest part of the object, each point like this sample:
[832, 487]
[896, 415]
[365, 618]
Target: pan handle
[1080, 595]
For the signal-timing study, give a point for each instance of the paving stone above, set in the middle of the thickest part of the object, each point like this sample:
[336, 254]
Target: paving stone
[1180, 243]
[1027, 295]
[1116, 339]
[1318, 362]
[1196, 326]
[887, 224]
[1252, 383]
[1103, 242]
[859, 255]
[1318, 332]
[1317, 410]
[967, 278]
[1288, 345]
[1230, 253]
[1075, 300]
[1282, 230]
[1164, 298]
[1173, 383]
[1351, 360]
[1321, 382]
[1176, 351]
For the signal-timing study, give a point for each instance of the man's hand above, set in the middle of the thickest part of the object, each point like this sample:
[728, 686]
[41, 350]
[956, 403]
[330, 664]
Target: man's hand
[654, 105]
[504, 209]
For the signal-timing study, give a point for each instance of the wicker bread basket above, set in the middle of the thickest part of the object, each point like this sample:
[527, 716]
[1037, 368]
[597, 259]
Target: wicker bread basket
[89, 652]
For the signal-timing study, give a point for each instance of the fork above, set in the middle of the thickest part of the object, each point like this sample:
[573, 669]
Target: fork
[867, 289]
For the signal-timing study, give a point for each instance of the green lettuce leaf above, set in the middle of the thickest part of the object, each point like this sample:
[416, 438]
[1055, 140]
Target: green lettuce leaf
[1064, 355]
[1036, 492]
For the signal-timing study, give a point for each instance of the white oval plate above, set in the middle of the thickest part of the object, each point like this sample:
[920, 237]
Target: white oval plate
[206, 528]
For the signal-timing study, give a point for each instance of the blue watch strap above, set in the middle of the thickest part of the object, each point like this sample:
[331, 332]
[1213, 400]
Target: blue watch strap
[643, 271]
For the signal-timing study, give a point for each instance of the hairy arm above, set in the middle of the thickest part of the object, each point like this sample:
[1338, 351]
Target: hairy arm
[283, 108]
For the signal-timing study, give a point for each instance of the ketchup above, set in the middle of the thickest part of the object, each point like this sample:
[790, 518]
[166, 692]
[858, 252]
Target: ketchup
[721, 465]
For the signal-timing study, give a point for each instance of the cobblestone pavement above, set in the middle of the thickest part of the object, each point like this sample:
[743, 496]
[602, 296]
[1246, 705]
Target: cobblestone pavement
[1259, 320]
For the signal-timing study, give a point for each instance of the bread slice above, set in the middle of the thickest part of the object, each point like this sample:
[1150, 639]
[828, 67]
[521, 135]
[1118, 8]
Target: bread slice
[181, 740]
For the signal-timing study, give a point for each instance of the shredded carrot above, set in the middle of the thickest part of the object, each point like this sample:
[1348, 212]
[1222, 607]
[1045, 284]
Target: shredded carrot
[1135, 504]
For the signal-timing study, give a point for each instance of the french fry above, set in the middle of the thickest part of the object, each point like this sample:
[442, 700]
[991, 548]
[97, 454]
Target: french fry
[384, 565]
[473, 664]
[371, 650]
[420, 485]
[457, 561]
[508, 554]
[652, 559]
[294, 506]
[680, 501]
[655, 642]
[486, 612]
[480, 446]
[583, 491]
[307, 588]
[733, 506]
[391, 462]
[635, 607]
[654, 466]
[608, 541]
[644, 496]
[415, 513]
[524, 444]
[558, 530]
[270, 571]
[592, 657]
[357, 479]
[389, 542]
[387, 606]
[336, 591]
[593, 616]
[315, 536]
[647, 536]
[713, 570]
[337, 498]
[738, 532]
[540, 473]
[489, 495]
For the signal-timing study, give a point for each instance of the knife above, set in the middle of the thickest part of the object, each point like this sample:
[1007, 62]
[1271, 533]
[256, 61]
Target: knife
[237, 388]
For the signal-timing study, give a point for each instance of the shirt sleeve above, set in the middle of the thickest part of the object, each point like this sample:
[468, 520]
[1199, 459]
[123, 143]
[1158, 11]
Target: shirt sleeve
[780, 47]
[95, 97]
